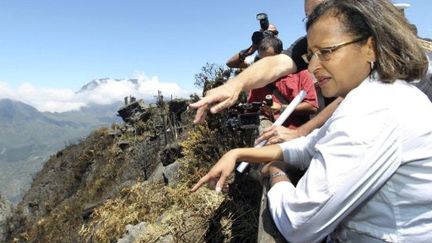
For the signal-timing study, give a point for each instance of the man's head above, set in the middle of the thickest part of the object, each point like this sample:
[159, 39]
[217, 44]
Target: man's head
[310, 5]
[270, 46]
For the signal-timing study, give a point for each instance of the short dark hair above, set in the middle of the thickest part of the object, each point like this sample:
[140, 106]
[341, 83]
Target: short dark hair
[271, 42]
[398, 54]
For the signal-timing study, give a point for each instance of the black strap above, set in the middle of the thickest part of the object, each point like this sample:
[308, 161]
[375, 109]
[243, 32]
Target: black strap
[277, 93]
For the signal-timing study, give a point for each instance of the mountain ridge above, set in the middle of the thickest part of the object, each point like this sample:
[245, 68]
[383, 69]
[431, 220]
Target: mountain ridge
[28, 137]
[92, 85]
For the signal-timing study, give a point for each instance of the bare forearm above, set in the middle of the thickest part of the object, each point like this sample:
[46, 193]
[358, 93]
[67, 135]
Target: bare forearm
[305, 108]
[236, 62]
[265, 71]
[259, 155]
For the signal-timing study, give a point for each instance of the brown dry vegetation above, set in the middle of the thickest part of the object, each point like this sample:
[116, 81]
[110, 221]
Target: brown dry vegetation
[90, 191]
[204, 216]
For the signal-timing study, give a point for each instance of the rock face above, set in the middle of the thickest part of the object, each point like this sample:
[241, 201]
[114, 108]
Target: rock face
[109, 187]
[134, 111]
[86, 175]
[171, 175]
[5, 213]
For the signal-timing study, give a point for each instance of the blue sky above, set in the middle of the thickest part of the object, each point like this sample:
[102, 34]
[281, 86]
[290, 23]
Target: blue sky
[65, 44]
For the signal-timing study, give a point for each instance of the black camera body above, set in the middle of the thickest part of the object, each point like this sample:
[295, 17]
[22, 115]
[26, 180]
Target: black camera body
[244, 116]
[263, 19]
[258, 36]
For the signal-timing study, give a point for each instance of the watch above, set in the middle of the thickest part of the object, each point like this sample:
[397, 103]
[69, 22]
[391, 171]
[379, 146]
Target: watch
[279, 173]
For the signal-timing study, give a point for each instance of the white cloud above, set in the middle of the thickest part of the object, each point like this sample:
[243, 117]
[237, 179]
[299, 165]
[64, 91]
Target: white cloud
[107, 92]
[151, 86]
[6, 92]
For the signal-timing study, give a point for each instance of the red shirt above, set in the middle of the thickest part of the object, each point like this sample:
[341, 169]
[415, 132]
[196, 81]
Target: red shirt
[289, 86]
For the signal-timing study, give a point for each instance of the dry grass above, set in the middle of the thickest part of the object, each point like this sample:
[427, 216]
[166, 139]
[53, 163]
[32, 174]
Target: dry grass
[177, 213]
[170, 214]
[167, 211]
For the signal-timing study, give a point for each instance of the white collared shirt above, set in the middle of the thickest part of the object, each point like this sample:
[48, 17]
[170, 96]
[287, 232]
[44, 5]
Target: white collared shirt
[369, 176]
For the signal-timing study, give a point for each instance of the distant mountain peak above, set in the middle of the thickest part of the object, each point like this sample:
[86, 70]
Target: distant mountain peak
[11, 110]
[92, 85]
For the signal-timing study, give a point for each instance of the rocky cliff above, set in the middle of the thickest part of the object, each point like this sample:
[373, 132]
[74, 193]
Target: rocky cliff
[131, 183]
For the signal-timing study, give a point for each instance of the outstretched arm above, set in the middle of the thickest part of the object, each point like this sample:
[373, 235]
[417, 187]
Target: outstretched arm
[225, 166]
[257, 75]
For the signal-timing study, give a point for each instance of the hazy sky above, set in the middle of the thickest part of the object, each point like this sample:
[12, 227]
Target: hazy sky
[48, 45]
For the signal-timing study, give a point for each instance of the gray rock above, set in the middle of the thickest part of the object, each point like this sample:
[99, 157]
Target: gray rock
[157, 174]
[171, 174]
[132, 233]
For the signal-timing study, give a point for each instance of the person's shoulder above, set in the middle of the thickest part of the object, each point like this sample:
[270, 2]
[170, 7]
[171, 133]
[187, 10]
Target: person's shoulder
[299, 44]
[373, 95]
[365, 98]
[296, 50]
[302, 40]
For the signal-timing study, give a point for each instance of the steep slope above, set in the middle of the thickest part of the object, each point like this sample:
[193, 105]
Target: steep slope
[92, 191]
[28, 137]
[77, 177]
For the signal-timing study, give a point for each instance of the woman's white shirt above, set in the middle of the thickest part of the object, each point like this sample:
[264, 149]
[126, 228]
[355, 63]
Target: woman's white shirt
[369, 171]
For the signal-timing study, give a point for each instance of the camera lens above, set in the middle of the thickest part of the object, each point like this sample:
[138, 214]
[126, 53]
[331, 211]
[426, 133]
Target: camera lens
[261, 16]
[263, 19]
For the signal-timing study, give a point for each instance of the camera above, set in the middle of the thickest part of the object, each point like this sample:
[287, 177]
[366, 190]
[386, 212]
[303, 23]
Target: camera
[244, 116]
[257, 36]
[263, 19]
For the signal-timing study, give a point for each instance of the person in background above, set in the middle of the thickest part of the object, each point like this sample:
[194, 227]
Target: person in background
[284, 90]
[242, 58]
[260, 74]
[369, 167]
[263, 72]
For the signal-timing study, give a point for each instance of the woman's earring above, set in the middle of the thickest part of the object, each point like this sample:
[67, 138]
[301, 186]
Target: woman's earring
[372, 65]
